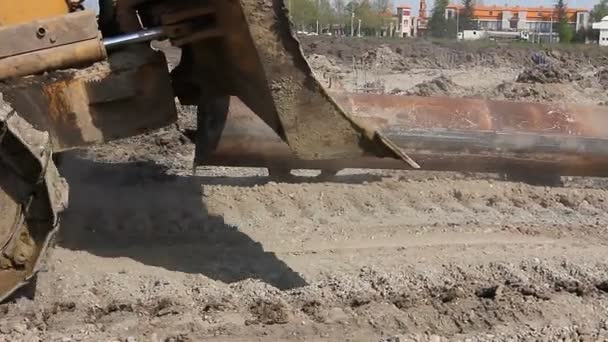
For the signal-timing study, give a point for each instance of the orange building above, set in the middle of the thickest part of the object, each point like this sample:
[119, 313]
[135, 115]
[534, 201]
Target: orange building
[516, 18]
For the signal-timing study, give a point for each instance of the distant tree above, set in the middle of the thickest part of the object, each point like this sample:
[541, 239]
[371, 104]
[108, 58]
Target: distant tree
[325, 13]
[382, 6]
[384, 11]
[467, 19]
[586, 34]
[438, 24]
[370, 18]
[340, 11]
[599, 11]
[303, 13]
[566, 33]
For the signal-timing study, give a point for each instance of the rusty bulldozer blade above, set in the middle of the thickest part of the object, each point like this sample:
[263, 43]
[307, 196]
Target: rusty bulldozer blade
[262, 63]
[443, 134]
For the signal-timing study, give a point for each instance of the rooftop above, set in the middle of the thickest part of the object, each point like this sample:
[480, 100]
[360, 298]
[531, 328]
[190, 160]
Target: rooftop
[518, 8]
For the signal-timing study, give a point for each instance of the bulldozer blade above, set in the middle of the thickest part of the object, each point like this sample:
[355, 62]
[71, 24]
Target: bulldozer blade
[270, 74]
[442, 134]
[32, 194]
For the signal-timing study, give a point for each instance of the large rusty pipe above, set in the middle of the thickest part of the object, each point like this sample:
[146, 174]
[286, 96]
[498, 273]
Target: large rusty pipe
[247, 141]
[477, 114]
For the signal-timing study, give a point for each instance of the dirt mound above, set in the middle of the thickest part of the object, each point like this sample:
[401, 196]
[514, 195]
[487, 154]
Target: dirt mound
[421, 53]
[439, 86]
[545, 74]
[322, 64]
[383, 58]
[602, 76]
[523, 92]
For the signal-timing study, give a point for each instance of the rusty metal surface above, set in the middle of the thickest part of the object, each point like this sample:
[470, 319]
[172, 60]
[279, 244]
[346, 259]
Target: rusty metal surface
[21, 11]
[477, 114]
[246, 48]
[181, 15]
[70, 40]
[126, 15]
[130, 94]
[532, 137]
[31, 196]
[70, 55]
[48, 33]
[280, 84]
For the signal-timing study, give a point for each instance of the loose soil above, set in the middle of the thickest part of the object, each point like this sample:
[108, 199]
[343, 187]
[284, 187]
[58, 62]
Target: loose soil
[149, 252]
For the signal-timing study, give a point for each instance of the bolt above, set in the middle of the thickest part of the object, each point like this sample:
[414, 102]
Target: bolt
[41, 32]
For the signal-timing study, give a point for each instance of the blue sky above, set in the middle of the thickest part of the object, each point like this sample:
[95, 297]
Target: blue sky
[91, 4]
[547, 3]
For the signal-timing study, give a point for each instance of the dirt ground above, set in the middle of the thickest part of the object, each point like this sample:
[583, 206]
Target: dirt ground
[575, 74]
[148, 252]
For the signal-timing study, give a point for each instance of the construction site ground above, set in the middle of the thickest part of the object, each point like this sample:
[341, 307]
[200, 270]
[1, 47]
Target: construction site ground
[148, 252]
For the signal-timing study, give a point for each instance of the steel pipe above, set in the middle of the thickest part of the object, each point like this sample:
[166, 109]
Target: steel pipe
[442, 134]
[132, 38]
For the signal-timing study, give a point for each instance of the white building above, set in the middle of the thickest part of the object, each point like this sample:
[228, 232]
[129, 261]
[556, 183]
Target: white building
[602, 26]
[405, 22]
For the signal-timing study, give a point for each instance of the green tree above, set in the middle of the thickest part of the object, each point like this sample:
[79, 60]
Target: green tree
[303, 14]
[438, 24]
[325, 13]
[370, 20]
[467, 19]
[384, 13]
[382, 6]
[565, 31]
[599, 11]
[341, 12]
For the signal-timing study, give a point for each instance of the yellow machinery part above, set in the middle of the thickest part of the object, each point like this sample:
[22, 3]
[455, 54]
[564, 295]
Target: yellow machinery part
[21, 11]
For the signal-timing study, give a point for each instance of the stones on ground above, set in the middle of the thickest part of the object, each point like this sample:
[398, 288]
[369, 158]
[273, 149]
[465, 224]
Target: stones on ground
[603, 286]
[451, 294]
[337, 315]
[19, 327]
[439, 86]
[534, 291]
[573, 286]
[602, 76]
[545, 74]
[268, 312]
[490, 292]
[5, 329]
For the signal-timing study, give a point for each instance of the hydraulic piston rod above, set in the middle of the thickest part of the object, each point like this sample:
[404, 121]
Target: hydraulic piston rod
[132, 38]
[60, 42]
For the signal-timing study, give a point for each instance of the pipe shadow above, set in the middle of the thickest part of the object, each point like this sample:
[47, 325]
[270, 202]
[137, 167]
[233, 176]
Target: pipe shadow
[137, 210]
[250, 181]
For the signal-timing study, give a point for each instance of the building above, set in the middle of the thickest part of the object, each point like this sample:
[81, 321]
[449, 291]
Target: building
[405, 27]
[602, 26]
[409, 25]
[422, 20]
[536, 20]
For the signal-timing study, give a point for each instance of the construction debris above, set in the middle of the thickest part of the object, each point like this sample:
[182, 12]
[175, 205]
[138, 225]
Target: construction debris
[547, 73]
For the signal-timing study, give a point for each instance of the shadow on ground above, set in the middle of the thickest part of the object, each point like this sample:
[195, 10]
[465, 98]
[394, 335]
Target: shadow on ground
[249, 181]
[136, 210]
